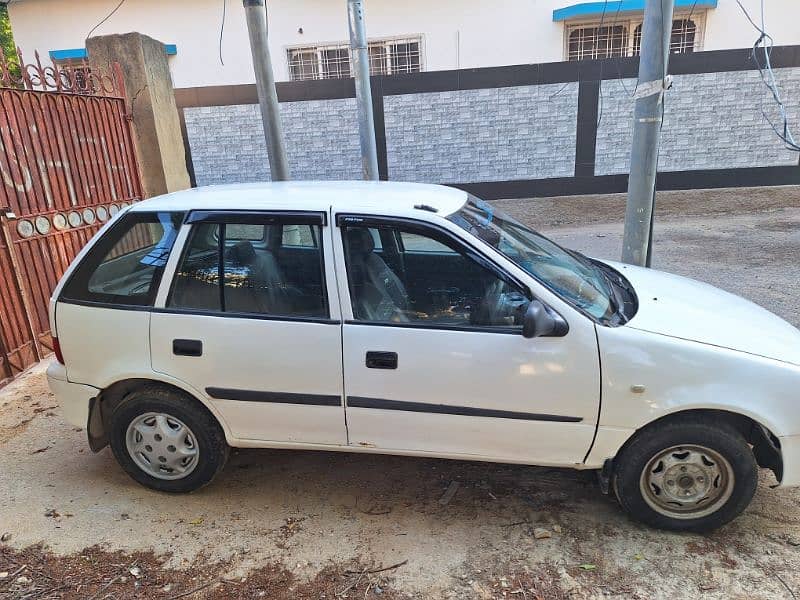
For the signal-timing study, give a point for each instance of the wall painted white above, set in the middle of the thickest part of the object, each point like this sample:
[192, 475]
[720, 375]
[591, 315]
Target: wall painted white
[456, 33]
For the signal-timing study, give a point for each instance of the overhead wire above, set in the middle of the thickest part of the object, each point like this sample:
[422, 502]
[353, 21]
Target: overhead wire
[765, 43]
[222, 30]
[106, 18]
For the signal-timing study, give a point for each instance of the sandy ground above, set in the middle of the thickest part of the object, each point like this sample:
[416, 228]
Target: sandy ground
[306, 515]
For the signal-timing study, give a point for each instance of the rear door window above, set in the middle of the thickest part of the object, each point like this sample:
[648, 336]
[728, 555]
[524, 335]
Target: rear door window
[273, 269]
[125, 266]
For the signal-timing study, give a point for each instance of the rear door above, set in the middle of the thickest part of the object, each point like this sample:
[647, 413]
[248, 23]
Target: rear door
[248, 321]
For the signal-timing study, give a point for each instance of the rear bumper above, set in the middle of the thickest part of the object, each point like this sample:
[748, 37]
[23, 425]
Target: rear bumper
[790, 453]
[74, 398]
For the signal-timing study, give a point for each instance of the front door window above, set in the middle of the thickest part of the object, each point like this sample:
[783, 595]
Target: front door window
[419, 276]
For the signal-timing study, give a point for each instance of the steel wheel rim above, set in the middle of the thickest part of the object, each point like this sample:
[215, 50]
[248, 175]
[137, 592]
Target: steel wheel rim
[162, 446]
[687, 482]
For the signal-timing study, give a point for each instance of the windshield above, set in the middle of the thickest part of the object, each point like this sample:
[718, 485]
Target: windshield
[570, 275]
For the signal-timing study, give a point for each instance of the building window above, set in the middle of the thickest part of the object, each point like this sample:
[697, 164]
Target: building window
[386, 57]
[335, 63]
[682, 40]
[74, 73]
[597, 42]
[591, 41]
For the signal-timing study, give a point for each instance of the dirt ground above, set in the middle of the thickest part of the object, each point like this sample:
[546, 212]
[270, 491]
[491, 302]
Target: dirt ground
[280, 524]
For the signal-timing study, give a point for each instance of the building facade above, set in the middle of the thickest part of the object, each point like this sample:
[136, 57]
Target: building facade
[309, 38]
[518, 98]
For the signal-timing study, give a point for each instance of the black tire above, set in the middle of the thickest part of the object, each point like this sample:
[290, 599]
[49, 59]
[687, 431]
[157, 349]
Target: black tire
[719, 437]
[207, 435]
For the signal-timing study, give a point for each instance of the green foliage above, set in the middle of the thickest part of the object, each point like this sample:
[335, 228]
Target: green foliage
[7, 39]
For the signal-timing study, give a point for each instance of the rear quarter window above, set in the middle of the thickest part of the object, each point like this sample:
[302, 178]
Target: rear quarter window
[125, 266]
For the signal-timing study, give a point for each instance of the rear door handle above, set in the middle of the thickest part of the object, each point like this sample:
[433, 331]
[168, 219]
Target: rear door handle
[381, 360]
[187, 347]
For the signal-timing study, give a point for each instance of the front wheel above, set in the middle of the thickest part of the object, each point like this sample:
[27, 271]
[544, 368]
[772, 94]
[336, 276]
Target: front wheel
[166, 440]
[686, 475]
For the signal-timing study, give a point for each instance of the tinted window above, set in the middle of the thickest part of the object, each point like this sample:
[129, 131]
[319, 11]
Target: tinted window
[126, 264]
[229, 268]
[429, 279]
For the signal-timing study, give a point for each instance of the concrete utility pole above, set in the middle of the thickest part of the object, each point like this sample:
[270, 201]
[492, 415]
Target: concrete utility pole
[654, 57]
[359, 52]
[256, 14]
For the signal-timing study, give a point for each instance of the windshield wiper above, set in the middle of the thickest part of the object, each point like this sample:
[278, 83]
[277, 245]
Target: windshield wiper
[617, 301]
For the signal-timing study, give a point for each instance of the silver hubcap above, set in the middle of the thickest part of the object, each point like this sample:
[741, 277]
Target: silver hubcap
[687, 482]
[162, 446]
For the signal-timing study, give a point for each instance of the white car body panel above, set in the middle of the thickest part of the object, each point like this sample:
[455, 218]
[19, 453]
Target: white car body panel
[675, 376]
[695, 347]
[692, 310]
[260, 355]
[103, 345]
[476, 370]
[74, 398]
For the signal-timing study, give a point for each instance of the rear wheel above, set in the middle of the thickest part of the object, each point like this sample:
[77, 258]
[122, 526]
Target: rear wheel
[166, 440]
[686, 475]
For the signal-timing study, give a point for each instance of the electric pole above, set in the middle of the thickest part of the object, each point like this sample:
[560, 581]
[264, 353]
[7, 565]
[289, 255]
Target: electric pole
[359, 52]
[256, 14]
[653, 61]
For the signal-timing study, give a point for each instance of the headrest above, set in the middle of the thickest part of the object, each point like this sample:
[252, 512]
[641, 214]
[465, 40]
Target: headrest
[242, 253]
[359, 240]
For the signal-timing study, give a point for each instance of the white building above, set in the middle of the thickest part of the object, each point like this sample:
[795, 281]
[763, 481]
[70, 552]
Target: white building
[309, 37]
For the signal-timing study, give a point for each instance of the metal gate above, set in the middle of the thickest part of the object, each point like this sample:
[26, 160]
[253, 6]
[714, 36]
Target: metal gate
[67, 164]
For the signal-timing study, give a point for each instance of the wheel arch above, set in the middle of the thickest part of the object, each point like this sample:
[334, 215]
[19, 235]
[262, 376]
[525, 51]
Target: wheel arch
[765, 444]
[100, 408]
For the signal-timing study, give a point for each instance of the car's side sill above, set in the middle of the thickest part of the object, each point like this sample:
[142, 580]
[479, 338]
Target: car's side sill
[274, 397]
[354, 448]
[447, 409]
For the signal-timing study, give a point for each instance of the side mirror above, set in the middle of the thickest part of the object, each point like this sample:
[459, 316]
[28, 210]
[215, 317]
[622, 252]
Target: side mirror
[541, 321]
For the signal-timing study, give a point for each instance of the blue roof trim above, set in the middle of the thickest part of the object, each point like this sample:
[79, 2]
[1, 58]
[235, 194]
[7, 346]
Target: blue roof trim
[70, 53]
[593, 9]
[67, 54]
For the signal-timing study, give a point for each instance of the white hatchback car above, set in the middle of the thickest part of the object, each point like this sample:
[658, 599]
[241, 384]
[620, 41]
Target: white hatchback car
[417, 320]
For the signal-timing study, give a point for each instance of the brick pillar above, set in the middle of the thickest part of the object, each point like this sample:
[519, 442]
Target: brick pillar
[156, 124]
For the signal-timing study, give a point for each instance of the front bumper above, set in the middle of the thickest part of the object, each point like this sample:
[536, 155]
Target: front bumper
[790, 453]
[74, 398]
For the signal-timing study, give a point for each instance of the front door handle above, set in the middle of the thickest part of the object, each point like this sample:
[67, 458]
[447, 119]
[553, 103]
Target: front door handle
[381, 360]
[187, 347]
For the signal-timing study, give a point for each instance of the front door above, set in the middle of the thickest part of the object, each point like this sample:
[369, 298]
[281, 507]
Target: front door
[248, 321]
[435, 360]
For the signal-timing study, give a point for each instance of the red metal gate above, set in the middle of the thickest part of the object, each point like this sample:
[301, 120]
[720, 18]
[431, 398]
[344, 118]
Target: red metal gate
[67, 164]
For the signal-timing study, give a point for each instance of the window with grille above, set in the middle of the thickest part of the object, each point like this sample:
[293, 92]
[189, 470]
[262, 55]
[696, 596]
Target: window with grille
[74, 73]
[598, 42]
[616, 39]
[386, 57]
[682, 40]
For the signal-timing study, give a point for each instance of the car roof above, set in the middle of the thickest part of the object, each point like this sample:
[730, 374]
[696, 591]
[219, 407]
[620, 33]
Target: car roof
[372, 197]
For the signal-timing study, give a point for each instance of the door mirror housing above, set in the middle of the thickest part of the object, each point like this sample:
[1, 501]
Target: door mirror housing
[542, 321]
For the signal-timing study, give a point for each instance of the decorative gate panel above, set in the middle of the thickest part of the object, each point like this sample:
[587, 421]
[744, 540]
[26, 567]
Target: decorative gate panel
[67, 164]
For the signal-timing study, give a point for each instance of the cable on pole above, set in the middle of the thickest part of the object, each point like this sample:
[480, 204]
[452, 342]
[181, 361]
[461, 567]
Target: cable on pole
[107, 17]
[764, 44]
